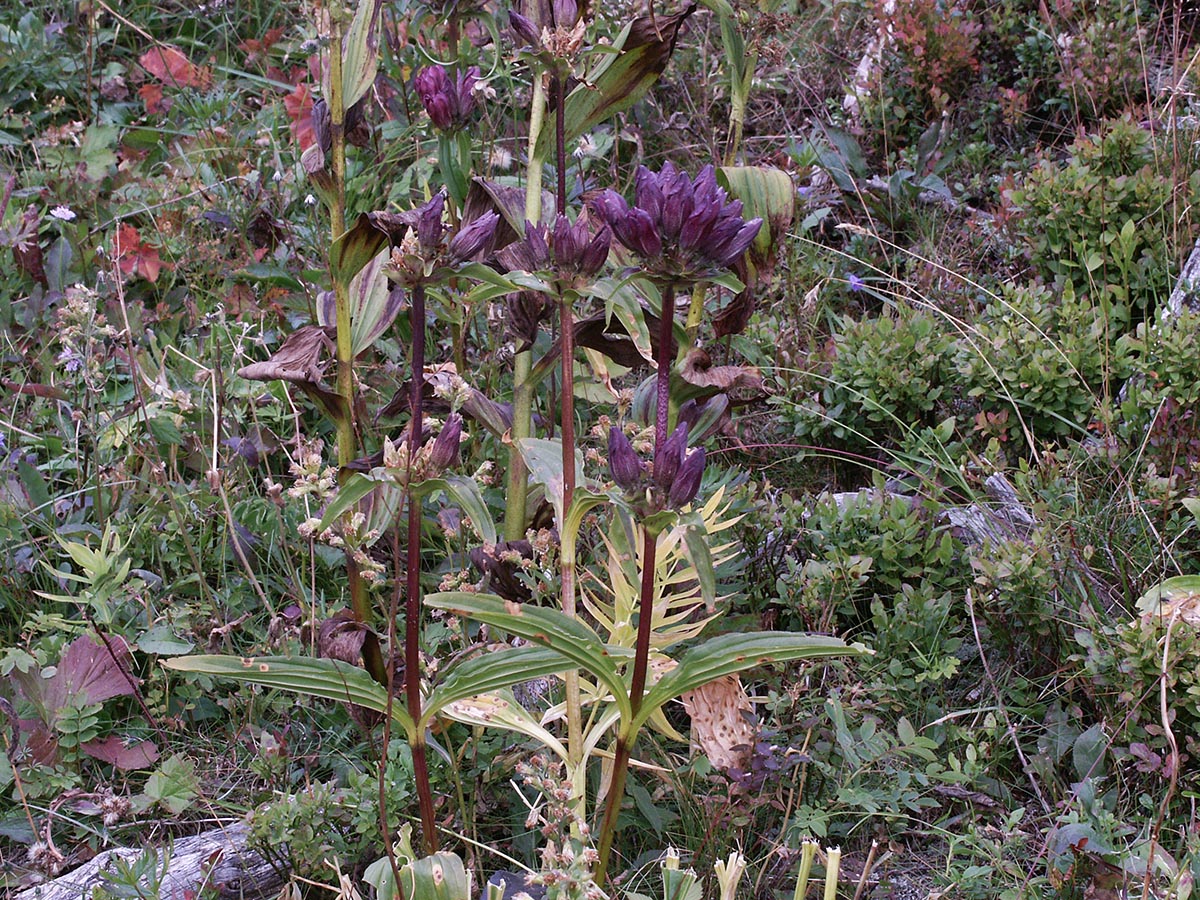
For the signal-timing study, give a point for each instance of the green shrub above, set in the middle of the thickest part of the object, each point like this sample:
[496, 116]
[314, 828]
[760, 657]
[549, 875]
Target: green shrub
[889, 374]
[1046, 359]
[1159, 416]
[1109, 222]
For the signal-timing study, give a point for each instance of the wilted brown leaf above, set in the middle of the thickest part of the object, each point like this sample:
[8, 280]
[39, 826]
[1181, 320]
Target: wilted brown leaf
[698, 370]
[723, 721]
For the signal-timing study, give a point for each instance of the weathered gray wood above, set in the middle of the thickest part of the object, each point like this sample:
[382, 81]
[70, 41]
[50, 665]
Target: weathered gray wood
[1000, 520]
[1187, 287]
[217, 858]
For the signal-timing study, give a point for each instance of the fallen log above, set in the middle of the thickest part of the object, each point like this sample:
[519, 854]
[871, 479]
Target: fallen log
[219, 860]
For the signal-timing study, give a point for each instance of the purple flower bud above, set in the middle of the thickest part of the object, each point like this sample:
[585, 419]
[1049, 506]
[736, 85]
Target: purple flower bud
[566, 13]
[444, 451]
[472, 238]
[649, 191]
[640, 233]
[677, 209]
[429, 224]
[465, 91]
[567, 243]
[623, 461]
[730, 252]
[695, 228]
[669, 456]
[596, 252]
[524, 29]
[611, 207]
[687, 480]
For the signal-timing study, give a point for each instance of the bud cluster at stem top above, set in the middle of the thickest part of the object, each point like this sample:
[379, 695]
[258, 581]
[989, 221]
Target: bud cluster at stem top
[681, 228]
[570, 250]
[674, 479]
[424, 247]
[448, 103]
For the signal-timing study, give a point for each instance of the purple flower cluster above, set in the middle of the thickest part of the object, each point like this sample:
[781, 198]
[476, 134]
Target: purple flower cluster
[677, 470]
[570, 249]
[679, 226]
[449, 104]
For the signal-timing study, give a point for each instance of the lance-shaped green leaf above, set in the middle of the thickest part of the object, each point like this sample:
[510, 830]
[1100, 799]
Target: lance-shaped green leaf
[547, 627]
[621, 79]
[500, 709]
[543, 458]
[354, 489]
[329, 679]
[470, 498]
[374, 303]
[438, 877]
[360, 52]
[351, 252]
[730, 654]
[623, 300]
[493, 671]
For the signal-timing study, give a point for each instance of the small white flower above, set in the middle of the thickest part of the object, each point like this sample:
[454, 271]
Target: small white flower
[63, 213]
[310, 200]
[277, 177]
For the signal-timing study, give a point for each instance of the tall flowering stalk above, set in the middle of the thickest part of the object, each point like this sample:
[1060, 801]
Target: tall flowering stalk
[423, 255]
[684, 232]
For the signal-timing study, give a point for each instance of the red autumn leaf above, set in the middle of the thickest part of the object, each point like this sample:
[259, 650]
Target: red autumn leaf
[135, 257]
[255, 48]
[299, 109]
[171, 67]
[152, 96]
[113, 750]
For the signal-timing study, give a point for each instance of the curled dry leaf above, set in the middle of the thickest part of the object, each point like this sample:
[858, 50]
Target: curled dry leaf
[301, 360]
[698, 370]
[723, 722]
[341, 636]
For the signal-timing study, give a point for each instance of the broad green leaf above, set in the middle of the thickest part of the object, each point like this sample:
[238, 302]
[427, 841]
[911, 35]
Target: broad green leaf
[1173, 589]
[466, 492]
[174, 784]
[730, 654]
[765, 192]
[620, 80]
[360, 52]
[373, 303]
[161, 641]
[500, 709]
[494, 671]
[329, 679]
[543, 458]
[623, 301]
[354, 249]
[354, 489]
[548, 627]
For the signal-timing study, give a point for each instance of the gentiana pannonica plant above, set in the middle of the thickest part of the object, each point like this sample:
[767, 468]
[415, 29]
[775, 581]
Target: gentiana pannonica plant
[616, 264]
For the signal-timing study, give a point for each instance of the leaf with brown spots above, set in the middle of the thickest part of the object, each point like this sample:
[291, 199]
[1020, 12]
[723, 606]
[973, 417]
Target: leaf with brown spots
[723, 722]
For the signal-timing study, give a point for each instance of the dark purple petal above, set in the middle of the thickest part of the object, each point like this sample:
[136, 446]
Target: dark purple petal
[687, 479]
[466, 93]
[472, 238]
[566, 13]
[649, 192]
[731, 251]
[444, 452]
[524, 29]
[596, 253]
[695, 228]
[641, 232]
[611, 207]
[539, 250]
[669, 456]
[623, 461]
[566, 247]
[429, 223]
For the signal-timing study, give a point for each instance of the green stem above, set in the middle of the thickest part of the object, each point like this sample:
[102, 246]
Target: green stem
[518, 477]
[412, 598]
[360, 600]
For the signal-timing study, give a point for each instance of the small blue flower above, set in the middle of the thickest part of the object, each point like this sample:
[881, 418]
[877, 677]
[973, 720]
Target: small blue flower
[854, 284]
